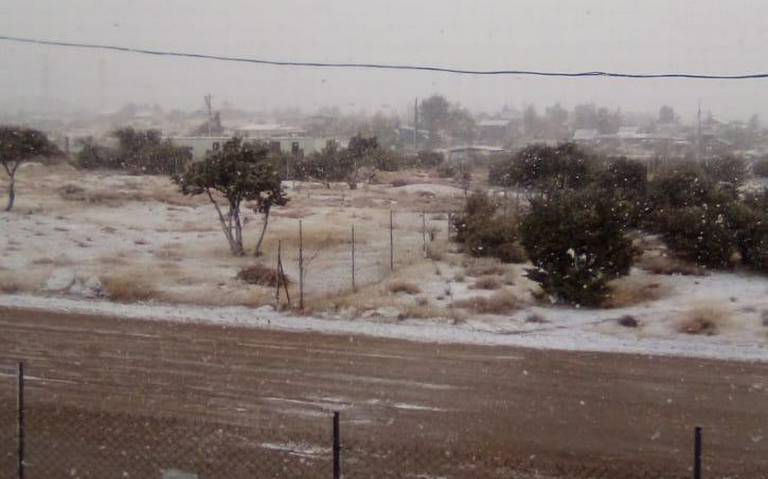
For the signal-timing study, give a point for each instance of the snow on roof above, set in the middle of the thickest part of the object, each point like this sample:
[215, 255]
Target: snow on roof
[585, 134]
[494, 123]
[266, 127]
[491, 149]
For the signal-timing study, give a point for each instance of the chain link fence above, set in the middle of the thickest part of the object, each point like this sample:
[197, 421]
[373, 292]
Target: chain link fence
[8, 421]
[66, 442]
[62, 440]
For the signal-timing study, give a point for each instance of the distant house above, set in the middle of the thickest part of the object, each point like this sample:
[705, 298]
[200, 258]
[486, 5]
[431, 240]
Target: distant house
[264, 131]
[405, 136]
[201, 146]
[629, 133]
[461, 153]
[586, 135]
[300, 145]
[495, 131]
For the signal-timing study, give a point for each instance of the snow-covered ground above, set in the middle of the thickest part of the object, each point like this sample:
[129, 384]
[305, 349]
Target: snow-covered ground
[566, 329]
[58, 246]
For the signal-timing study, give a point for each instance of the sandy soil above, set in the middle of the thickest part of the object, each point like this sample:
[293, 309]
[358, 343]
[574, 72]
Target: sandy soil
[105, 394]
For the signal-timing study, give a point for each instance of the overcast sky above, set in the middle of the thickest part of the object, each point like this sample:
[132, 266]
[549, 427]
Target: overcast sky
[696, 36]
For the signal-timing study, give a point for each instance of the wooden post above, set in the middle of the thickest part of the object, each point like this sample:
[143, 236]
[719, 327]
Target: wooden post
[336, 446]
[20, 425]
[697, 453]
[283, 278]
[354, 286]
[277, 276]
[391, 242]
[301, 268]
[424, 232]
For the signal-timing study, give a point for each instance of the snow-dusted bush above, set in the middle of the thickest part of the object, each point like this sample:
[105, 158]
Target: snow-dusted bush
[138, 151]
[749, 223]
[701, 234]
[482, 232]
[760, 168]
[545, 167]
[576, 243]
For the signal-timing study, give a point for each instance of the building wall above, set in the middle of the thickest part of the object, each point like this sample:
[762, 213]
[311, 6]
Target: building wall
[200, 145]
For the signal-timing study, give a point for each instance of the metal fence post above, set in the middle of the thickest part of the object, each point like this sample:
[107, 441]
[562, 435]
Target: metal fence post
[336, 446]
[391, 243]
[697, 453]
[301, 268]
[354, 285]
[20, 409]
[424, 232]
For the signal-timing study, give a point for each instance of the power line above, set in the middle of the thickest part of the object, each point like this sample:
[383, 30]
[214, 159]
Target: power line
[381, 66]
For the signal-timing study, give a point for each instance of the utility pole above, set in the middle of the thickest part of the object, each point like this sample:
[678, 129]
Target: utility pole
[209, 106]
[416, 125]
[699, 146]
[102, 81]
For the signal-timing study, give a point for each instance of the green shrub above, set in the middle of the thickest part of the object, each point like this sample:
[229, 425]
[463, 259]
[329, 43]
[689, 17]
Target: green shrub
[546, 167]
[576, 243]
[728, 169]
[429, 159]
[626, 182]
[760, 168]
[483, 233]
[750, 231]
[681, 185]
[445, 170]
[496, 238]
[93, 156]
[701, 234]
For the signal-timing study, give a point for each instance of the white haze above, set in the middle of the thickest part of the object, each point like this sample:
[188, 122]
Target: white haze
[696, 36]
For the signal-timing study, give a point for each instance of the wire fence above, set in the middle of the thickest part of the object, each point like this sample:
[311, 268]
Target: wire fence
[8, 430]
[366, 256]
[66, 442]
[41, 437]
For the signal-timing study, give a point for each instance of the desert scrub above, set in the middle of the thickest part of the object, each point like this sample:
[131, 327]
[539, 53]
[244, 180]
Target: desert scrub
[129, 288]
[261, 275]
[499, 303]
[402, 286]
[706, 321]
[486, 282]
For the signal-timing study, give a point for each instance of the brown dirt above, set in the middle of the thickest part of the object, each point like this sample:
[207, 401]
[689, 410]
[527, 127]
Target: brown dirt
[108, 396]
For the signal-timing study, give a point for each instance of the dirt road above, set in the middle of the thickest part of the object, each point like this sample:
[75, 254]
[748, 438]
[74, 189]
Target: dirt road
[108, 397]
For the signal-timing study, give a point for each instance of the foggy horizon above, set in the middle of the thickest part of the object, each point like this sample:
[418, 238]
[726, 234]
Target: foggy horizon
[693, 37]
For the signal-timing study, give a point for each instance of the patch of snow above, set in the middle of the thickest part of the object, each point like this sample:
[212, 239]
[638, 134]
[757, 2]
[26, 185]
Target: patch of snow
[301, 449]
[430, 188]
[60, 280]
[569, 329]
[416, 407]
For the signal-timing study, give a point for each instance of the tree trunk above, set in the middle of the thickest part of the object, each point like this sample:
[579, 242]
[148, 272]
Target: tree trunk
[11, 192]
[263, 232]
[238, 226]
[235, 243]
